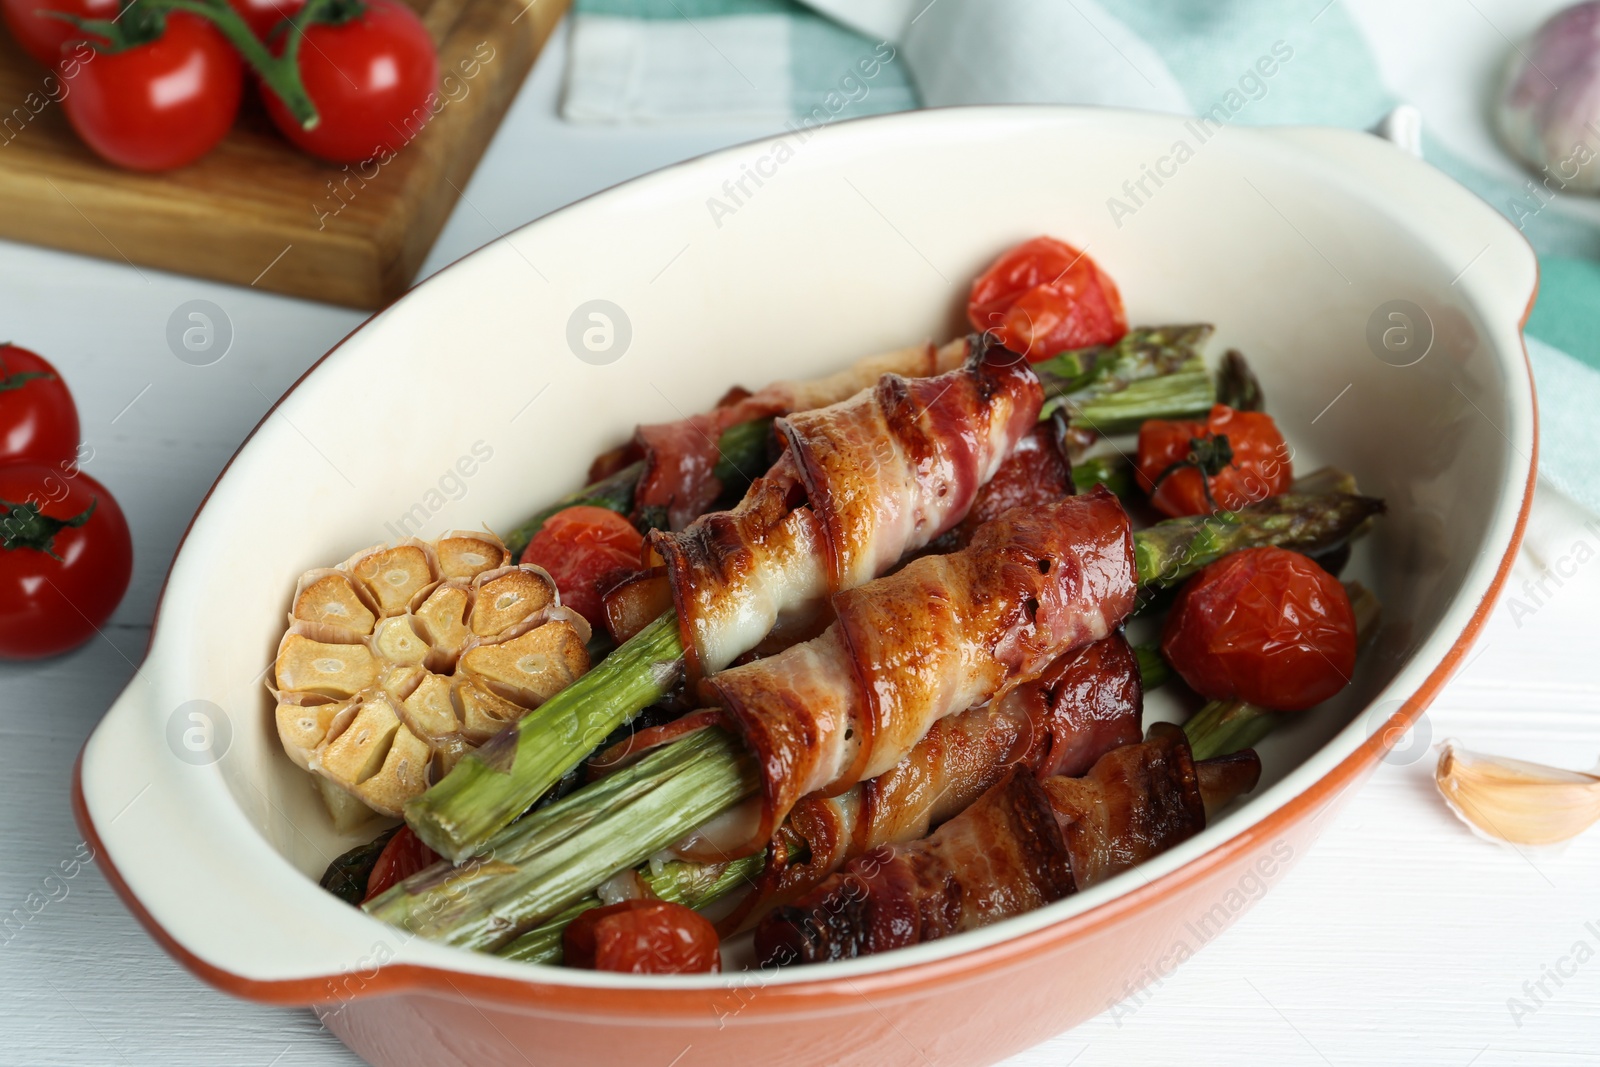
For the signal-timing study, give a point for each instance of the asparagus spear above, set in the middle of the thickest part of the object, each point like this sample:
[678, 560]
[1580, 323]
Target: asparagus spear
[1147, 352]
[543, 863]
[693, 885]
[1186, 394]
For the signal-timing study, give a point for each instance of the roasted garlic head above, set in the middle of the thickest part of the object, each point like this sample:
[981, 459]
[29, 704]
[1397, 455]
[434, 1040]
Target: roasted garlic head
[404, 657]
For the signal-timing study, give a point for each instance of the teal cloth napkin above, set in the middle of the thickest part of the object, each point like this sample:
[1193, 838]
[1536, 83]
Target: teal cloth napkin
[1353, 61]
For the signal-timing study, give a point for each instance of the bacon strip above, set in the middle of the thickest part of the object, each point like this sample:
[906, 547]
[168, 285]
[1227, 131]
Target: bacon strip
[1035, 473]
[944, 634]
[1086, 704]
[1019, 846]
[680, 457]
[862, 483]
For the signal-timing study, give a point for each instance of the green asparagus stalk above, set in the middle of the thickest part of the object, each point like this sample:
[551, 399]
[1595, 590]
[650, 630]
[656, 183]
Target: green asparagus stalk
[553, 858]
[1145, 352]
[490, 787]
[1226, 726]
[1113, 472]
[1171, 551]
[494, 784]
[1187, 394]
[694, 885]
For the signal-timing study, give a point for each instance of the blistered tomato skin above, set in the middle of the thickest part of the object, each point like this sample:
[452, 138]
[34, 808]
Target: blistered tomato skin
[1044, 297]
[1266, 626]
[586, 550]
[643, 937]
[403, 856]
[1261, 465]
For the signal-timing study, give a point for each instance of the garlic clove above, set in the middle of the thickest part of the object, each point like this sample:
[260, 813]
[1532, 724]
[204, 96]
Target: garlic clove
[507, 597]
[1549, 101]
[1517, 801]
[392, 576]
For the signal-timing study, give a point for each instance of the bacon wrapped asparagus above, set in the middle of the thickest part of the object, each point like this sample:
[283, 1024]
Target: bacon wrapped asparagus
[1087, 703]
[861, 484]
[942, 635]
[1022, 845]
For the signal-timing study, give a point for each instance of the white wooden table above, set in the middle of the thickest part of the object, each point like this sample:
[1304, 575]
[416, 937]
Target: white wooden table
[1399, 938]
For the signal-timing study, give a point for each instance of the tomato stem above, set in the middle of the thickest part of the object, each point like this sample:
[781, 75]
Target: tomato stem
[279, 73]
[26, 526]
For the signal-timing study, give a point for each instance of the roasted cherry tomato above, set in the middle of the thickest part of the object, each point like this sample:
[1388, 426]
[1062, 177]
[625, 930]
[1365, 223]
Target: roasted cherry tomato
[42, 36]
[1266, 626]
[1044, 297]
[642, 937]
[38, 420]
[65, 558]
[158, 104]
[371, 73]
[403, 856]
[586, 550]
[1239, 455]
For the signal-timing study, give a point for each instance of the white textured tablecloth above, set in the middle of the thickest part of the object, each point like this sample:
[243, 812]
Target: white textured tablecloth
[1399, 939]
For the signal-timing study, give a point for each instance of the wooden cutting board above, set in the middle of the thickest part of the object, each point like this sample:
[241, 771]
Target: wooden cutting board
[255, 211]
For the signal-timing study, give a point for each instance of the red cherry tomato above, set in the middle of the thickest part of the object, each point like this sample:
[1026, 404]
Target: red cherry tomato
[1266, 626]
[65, 558]
[1260, 466]
[263, 16]
[372, 79]
[403, 856]
[1044, 297]
[38, 420]
[643, 937]
[586, 550]
[42, 36]
[158, 105]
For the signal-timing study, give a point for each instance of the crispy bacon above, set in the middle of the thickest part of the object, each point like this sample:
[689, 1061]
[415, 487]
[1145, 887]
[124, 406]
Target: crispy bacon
[943, 634]
[1035, 473]
[861, 483]
[1019, 846]
[680, 458]
[1087, 703]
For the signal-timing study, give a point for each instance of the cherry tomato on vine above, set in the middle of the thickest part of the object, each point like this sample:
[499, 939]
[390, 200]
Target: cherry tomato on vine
[1044, 297]
[1266, 626]
[65, 559]
[263, 16]
[586, 549]
[38, 420]
[643, 937]
[403, 856]
[1238, 455]
[42, 36]
[371, 72]
[163, 100]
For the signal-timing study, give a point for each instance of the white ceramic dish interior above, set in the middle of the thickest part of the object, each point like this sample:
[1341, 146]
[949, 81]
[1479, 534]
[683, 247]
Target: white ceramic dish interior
[859, 239]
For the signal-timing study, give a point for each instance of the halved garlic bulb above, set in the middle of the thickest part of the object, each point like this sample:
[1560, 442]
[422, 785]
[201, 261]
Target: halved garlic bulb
[406, 656]
[1517, 801]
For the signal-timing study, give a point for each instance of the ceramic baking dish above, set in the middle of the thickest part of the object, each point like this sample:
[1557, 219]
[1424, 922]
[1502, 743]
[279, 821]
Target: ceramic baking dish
[786, 258]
